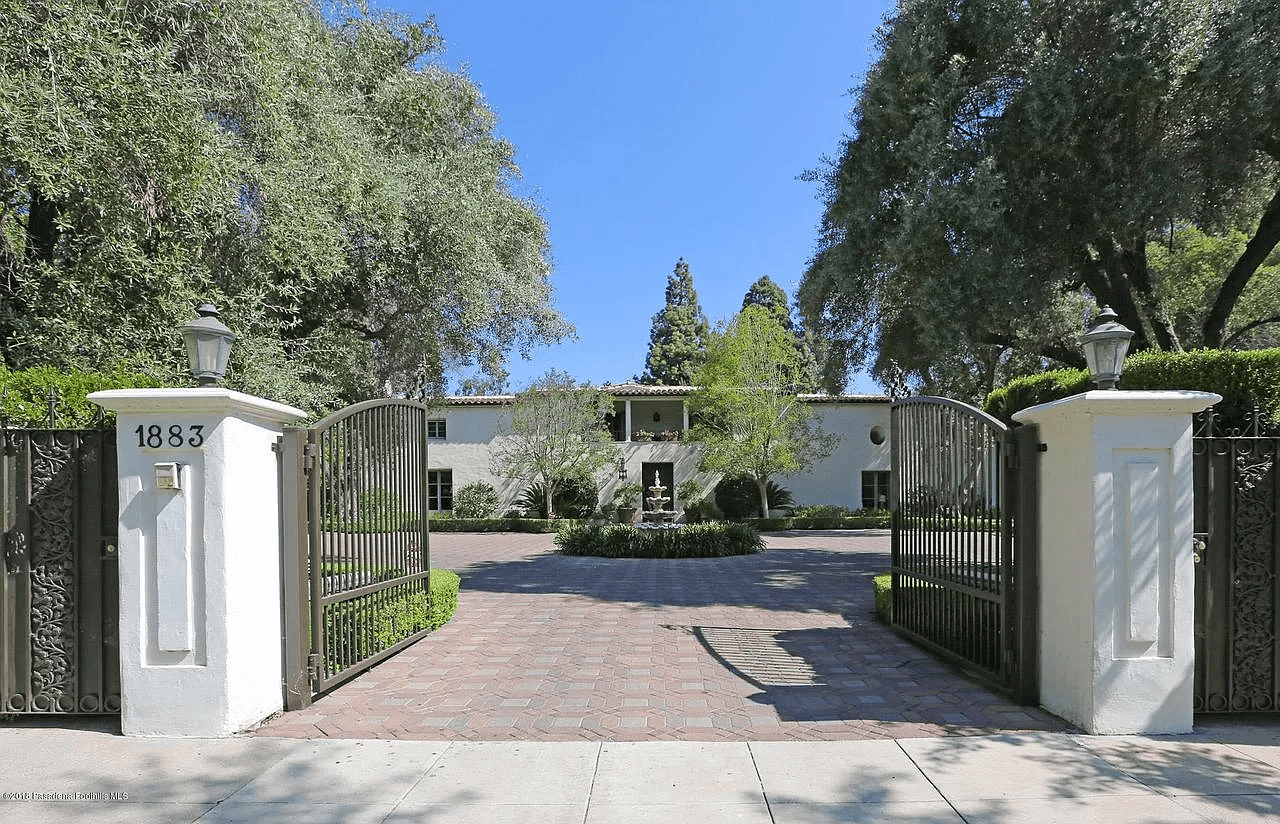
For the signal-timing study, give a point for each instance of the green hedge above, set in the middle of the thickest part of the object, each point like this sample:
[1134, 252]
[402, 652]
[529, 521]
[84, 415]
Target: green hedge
[386, 622]
[1241, 378]
[540, 525]
[501, 524]
[883, 585]
[878, 521]
[24, 399]
[688, 541]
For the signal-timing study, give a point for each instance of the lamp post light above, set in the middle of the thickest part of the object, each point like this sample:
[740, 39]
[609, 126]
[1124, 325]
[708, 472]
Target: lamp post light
[208, 345]
[1105, 345]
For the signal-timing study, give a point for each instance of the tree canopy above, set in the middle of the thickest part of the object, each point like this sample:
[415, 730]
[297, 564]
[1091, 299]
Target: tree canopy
[771, 297]
[746, 414]
[554, 434]
[342, 198]
[678, 336]
[1011, 165]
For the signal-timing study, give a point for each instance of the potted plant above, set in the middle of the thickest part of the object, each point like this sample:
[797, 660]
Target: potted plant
[625, 498]
[642, 435]
[669, 435]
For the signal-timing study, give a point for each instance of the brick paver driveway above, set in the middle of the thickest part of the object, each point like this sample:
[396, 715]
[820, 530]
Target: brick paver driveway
[779, 645]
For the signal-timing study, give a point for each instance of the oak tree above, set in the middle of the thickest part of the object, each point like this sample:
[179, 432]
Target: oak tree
[1011, 163]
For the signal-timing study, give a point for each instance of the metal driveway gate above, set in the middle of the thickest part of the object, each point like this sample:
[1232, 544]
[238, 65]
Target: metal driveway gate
[964, 492]
[356, 561]
[1237, 498]
[60, 590]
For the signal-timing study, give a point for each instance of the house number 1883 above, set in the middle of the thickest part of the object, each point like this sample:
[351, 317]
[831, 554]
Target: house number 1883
[173, 435]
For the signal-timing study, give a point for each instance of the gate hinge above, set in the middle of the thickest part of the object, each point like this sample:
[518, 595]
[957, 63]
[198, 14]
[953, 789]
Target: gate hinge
[313, 666]
[309, 453]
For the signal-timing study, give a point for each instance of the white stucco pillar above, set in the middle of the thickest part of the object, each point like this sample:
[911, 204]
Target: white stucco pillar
[200, 651]
[1117, 586]
[627, 433]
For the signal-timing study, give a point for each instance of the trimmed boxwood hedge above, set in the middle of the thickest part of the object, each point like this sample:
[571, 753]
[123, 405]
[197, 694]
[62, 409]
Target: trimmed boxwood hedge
[536, 525]
[883, 585]
[388, 621]
[881, 520]
[714, 540]
[539, 525]
[1241, 378]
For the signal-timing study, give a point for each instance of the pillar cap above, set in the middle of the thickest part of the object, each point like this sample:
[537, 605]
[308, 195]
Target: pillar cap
[1121, 402]
[208, 399]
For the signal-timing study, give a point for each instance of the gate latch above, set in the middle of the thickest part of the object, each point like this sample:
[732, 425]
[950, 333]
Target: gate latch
[313, 666]
[1198, 545]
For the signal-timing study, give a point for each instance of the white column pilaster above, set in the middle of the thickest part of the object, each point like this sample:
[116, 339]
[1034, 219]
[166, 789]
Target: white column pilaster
[1117, 585]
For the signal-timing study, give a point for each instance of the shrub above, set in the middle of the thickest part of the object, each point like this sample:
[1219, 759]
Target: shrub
[574, 498]
[25, 398]
[509, 524]
[1033, 390]
[866, 520]
[883, 585]
[1241, 378]
[388, 619]
[688, 541]
[477, 499]
[824, 511]
[740, 498]
[628, 495]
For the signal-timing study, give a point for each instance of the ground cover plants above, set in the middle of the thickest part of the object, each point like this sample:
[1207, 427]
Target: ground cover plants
[713, 540]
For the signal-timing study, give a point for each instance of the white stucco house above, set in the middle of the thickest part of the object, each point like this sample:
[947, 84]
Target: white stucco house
[856, 475]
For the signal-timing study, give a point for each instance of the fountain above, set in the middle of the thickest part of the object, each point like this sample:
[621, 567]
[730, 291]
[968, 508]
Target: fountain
[657, 502]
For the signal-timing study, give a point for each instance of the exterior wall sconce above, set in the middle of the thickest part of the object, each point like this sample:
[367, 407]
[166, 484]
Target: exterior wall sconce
[1105, 345]
[657, 416]
[208, 345]
[622, 469]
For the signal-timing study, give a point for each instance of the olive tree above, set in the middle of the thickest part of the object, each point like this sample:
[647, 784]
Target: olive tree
[554, 433]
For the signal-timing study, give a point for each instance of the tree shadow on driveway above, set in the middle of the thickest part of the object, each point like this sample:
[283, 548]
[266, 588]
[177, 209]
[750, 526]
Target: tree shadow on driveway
[790, 580]
[858, 670]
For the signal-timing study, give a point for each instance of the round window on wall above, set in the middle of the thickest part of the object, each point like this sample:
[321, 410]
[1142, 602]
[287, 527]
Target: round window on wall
[877, 435]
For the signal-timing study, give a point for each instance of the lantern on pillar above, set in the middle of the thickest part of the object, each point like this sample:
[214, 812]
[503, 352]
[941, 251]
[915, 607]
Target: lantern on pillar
[208, 345]
[1105, 345]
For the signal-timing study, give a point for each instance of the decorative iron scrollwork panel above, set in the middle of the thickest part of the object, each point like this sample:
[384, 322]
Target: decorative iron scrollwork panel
[1254, 582]
[53, 579]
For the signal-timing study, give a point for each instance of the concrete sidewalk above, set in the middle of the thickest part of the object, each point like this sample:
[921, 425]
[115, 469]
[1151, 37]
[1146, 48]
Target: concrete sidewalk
[1223, 773]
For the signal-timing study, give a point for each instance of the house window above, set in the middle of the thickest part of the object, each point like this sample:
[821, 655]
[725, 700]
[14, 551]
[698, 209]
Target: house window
[435, 429]
[439, 489]
[875, 490]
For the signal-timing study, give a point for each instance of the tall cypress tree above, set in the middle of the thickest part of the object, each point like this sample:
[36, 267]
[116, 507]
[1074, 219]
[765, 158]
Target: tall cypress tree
[770, 296]
[678, 337]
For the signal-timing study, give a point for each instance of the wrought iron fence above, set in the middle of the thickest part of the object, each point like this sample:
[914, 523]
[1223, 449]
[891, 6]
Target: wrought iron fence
[1237, 497]
[59, 593]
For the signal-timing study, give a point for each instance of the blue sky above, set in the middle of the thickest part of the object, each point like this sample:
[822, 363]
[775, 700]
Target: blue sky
[651, 131]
